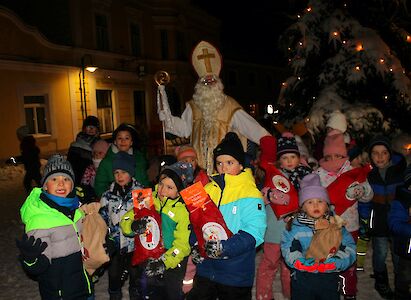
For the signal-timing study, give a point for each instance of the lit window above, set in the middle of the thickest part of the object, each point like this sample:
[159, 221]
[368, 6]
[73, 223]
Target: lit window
[105, 110]
[36, 113]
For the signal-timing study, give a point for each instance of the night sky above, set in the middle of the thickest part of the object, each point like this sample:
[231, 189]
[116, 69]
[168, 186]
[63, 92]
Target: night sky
[250, 31]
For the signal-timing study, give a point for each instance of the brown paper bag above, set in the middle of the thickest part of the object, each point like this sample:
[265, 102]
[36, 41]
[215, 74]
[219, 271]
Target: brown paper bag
[93, 237]
[326, 240]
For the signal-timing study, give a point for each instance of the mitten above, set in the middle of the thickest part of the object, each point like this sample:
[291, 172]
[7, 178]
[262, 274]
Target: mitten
[196, 257]
[139, 226]
[155, 267]
[277, 197]
[329, 265]
[30, 249]
[264, 193]
[214, 249]
[306, 264]
[110, 246]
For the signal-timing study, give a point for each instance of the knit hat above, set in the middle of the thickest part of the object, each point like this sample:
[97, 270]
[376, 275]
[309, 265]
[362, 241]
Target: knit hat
[407, 176]
[185, 151]
[310, 188]
[57, 165]
[124, 161]
[380, 140]
[287, 144]
[181, 173]
[22, 132]
[91, 121]
[230, 145]
[337, 120]
[101, 146]
[334, 144]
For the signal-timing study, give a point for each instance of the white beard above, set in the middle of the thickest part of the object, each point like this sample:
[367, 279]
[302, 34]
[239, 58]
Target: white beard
[209, 99]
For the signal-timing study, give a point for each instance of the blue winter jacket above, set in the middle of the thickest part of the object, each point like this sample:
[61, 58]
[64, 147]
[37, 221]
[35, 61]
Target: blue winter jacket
[242, 207]
[399, 221]
[295, 243]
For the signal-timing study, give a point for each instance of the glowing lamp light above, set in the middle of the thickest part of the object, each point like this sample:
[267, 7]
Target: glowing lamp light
[408, 38]
[300, 43]
[284, 84]
[291, 104]
[299, 78]
[307, 120]
[359, 47]
[298, 16]
[335, 33]
[357, 68]
[386, 97]
[391, 69]
[407, 147]
[309, 9]
[344, 42]
[382, 60]
[275, 122]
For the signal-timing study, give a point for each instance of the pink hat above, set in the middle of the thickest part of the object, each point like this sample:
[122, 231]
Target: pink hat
[334, 144]
[185, 151]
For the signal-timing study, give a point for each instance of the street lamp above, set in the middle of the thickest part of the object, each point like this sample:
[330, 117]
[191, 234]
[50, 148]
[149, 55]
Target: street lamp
[86, 64]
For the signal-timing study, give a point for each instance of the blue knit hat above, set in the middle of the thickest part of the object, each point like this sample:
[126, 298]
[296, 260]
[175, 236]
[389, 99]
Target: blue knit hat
[181, 173]
[124, 161]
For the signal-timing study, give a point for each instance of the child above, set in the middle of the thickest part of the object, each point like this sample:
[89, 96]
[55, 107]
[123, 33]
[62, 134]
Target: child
[400, 225]
[314, 280]
[124, 139]
[288, 156]
[50, 250]
[188, 154]
[115, 202]
[384, 179]
[333, 165]
[99, 152]
[170, 268]
[228, 272]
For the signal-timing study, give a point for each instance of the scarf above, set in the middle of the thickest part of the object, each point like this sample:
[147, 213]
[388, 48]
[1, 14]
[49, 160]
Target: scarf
[69, 202]
[297, 174]
[334, 166]
[303, 218]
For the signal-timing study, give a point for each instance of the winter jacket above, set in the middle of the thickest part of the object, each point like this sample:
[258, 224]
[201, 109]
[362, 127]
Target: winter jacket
[295, 243]
[384, 193]
[105, 177]
[399, 221]
[64, 277]
[115, 202]
[275, 227]
[80, 154]
[242, 207]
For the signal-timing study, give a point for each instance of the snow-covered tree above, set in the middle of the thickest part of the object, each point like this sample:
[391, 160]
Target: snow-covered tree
[340, 64]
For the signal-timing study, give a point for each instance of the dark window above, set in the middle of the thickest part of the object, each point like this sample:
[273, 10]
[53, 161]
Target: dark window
[164, 44]
[251, 79]
[180, 46]
[140, 107]
[105, 110]
[102, 32]
[135, 37]
[36, 111]
[232, 78]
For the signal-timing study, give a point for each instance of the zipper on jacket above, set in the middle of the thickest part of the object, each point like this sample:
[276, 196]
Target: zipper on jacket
[371, 218]
[409, 246]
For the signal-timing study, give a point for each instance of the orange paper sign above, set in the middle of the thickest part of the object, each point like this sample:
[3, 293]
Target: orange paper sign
[143, 198]
[195, 195]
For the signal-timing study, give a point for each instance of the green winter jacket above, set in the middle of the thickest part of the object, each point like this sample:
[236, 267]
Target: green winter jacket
[174, 229]
[104, 175]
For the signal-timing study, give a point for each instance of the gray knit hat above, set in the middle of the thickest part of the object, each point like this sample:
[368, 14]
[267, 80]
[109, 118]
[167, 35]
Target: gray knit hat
[57, 165]
[181, 173]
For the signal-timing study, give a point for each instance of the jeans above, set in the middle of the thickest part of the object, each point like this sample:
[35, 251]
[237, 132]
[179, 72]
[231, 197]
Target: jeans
[379, 255]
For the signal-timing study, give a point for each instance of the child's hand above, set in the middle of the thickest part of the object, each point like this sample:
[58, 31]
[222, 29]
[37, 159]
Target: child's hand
[31, 248]
[139, 226]
[277, 197]
[214, 249]
[196, 257]
[155, 267]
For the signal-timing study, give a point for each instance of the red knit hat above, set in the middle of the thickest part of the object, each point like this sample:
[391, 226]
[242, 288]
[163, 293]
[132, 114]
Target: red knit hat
[334, 144]
[185, 151]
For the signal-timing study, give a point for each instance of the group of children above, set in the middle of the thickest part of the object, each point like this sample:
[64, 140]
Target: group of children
[289, 214]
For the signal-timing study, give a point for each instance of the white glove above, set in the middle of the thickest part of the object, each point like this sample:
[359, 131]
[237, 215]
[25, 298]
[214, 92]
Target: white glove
[162, 115]
[355, 192]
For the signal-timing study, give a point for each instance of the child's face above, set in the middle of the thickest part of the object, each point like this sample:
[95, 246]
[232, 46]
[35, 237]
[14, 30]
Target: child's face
[226, 164]
[289, 161]
[59, 186]
[315, 208]
[121, 177]
[191, 160]
[380, 156]
[333, 156]
[123, 140]
[90, 130]
[167, 188]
